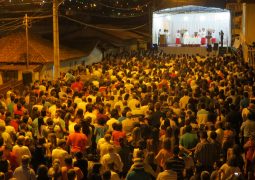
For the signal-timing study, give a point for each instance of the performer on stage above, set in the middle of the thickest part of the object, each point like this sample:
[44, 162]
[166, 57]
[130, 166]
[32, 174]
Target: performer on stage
[186, 34]
[199, 33]
[203, 38]
[213, 37]
[178, 37]
[221, 38]
[159, 33]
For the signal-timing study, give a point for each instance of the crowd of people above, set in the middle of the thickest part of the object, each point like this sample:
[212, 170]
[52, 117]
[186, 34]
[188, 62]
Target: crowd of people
[135, 115]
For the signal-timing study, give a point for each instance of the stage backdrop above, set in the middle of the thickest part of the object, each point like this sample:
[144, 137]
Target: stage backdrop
[193, 22]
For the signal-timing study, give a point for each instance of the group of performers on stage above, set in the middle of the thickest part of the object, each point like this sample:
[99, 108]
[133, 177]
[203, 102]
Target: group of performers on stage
[182, 37]
[201, 37]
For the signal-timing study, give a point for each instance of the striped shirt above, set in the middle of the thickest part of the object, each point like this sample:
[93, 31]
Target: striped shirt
[178, 166]
[167, 175]
[203, 154]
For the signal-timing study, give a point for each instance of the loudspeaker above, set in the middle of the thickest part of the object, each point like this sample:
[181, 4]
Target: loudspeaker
[209, 48]
[27, 78]
[215, 46]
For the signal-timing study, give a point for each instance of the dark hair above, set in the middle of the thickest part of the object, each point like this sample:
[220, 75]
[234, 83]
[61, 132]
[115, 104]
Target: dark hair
[176, 150]
[188, 128]
[213, 135]
[68, 160]
[203, 135]
[42, 172]
[77, 128]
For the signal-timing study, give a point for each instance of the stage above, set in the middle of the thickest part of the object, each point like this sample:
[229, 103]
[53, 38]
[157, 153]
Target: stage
[201, 50]
[192, 27]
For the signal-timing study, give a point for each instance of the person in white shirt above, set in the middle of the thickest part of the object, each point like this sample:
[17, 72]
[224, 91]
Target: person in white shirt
[60, 153]
[113, 159]
[24, 172]
[20, 150]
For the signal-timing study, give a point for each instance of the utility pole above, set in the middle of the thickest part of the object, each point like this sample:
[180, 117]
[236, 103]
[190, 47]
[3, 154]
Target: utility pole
[150, 14]
[56, 39]
[26, 26]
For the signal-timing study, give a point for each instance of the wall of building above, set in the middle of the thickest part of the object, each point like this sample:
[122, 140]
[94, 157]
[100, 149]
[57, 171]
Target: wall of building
[249, 23]
[94, 57]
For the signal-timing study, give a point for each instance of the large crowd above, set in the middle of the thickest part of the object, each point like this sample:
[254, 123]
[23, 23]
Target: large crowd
[136, 116]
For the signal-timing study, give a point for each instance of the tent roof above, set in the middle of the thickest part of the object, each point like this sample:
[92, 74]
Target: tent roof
[13, 50]
[163, 4]
[190, 9]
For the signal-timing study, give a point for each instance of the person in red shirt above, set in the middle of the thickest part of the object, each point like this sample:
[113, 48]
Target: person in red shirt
[77, 140]
[117, 133]
[15, 122]
[77, 85]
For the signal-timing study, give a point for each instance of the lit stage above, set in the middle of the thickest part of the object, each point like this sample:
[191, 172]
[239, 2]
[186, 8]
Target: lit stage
[191, 27]
[191, 50]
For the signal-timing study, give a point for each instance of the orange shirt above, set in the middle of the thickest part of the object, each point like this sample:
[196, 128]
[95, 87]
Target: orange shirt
[77, 141]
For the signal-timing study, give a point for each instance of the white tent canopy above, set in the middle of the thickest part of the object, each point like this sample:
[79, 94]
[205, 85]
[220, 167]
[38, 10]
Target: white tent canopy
[192, 19]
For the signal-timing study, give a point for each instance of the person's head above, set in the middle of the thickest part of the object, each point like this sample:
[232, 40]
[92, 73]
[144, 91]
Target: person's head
[68, 161]
[21, 140]
[77, 128]
[25, 160]
[205, 175]
[136, 133]
[56, 165]
[188, 129]
[78, 155]
[61, 143]
[42, 171]
[107, 137]
[176, 150]
[203, 135]
[213, 135]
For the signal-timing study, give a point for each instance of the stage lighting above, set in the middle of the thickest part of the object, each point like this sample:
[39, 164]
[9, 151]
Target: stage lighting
[202, 18]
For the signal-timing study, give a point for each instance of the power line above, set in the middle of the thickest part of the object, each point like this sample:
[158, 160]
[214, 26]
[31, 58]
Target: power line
[103, 28]
[126, 9]
[9, 23]
[10, 26]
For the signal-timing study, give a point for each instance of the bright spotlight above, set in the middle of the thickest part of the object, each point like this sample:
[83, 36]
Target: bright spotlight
[186, 18]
